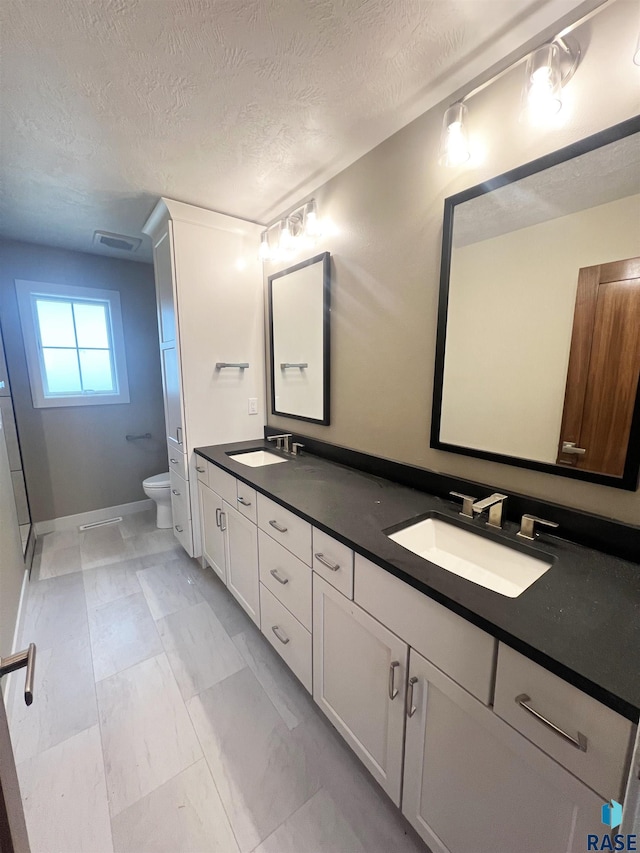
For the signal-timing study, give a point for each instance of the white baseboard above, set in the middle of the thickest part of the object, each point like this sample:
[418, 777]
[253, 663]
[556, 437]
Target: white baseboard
[68, 522]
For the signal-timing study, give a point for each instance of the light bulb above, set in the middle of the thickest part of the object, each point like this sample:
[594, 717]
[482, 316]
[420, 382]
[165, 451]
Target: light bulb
[311, 220]
[454, 145]
[543, 84]
[264, 253]
[285, 235]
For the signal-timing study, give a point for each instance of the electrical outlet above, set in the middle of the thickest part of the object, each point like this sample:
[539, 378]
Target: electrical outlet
[253, 405]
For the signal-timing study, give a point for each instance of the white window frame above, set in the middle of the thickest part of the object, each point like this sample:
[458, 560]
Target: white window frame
[27, 293]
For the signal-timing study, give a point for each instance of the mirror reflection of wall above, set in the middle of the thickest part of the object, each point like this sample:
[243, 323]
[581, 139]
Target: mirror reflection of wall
[517, 249]
[299, 317]
[10, 432]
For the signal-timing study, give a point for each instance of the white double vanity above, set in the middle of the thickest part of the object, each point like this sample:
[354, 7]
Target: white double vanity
[483, 749]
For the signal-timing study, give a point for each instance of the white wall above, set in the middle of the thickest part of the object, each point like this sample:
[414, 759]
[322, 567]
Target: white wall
[509, 324]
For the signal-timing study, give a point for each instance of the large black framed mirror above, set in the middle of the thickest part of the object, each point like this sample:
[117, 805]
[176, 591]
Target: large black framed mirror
[299, 322]
[538, 345]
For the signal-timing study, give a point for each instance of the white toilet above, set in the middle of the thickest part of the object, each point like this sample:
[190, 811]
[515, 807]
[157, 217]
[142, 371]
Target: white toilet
[158, 488]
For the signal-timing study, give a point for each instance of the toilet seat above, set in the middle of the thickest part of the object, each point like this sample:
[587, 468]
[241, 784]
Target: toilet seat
[157, 481]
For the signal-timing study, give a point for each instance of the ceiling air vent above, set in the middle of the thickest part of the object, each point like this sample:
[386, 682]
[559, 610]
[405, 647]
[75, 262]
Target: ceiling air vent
[120, 242]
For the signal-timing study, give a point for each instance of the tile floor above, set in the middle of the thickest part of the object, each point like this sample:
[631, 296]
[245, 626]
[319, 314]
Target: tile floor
[163, 721]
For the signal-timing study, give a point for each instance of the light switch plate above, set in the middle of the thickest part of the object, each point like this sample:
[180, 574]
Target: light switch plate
[253, 405]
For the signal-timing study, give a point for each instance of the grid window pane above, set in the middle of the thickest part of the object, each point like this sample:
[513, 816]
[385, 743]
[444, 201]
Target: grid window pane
[62, 371]
[91, 325]
[97, 374]
[55, 320]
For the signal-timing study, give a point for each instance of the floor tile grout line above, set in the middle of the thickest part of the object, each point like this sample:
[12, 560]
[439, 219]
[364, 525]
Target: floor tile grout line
[213, 778]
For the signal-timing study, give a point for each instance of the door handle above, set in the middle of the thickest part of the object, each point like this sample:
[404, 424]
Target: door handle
[223, 515]
[580, 742]
[27, 658]
[411, 708]
[322, 559]
[274, 573]
[277, 630]
[218, 514]
[278, 527]
[244, 501]
[179, 435]
[570, 448]
[393, 690]
[175, 492]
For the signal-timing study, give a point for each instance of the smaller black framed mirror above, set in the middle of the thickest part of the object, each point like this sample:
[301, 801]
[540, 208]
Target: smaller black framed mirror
[299, 324]
[538, 344]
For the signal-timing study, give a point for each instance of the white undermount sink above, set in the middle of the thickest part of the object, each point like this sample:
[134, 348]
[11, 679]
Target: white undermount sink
[257, 458]
[480, 560]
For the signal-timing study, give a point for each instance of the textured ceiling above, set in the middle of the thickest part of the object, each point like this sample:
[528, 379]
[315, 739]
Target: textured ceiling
[240, 106]
[606, 174]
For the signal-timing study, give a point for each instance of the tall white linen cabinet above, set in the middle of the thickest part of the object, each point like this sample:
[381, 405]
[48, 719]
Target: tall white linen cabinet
[210, 313]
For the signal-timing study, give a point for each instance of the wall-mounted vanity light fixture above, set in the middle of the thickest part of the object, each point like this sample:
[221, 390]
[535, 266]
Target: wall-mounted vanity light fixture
[549, 68]
[454, 141]
[299, 228]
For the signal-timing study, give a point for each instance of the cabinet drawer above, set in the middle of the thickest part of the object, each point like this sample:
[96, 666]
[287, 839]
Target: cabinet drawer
[247, 501]
[223, 484]
[178, 462]
[181, 511]
[202, 469]
[288, 637]
[286, 528]
[333, 561]
[461, 650]
[287, 577]
[601, 759]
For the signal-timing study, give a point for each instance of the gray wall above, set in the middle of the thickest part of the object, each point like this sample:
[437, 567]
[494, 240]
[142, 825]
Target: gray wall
[76, 458]
[387, 212]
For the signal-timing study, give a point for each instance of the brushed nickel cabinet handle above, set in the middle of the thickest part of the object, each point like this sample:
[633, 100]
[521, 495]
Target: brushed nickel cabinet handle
[223, 520]
[580, 742]
[244, 501]
[322, 559]
[274, 573]
[393, 690]
[411, 708]
[175, 492]
[218, 514]
[280, 635]
[179, 435]
[173, 461]
[178, 528]
[200, 470]
[278, 527]
[27, 658]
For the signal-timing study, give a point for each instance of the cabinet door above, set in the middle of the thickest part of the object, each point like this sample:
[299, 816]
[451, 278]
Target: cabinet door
[473, 783]
[172, 397]
[359, 677]
[212, 534]
[164, 273]
[242, 560]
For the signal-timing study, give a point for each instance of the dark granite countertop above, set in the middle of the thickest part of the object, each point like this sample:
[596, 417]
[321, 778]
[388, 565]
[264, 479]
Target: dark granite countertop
[580, 620]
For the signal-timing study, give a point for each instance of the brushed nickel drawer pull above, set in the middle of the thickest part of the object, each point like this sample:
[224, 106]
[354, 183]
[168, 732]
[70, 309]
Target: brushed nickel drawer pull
[282, 637]
[580, 742]
[200, 470]
[175, 492]
[178, 528]
[393, 690]
[411, 708]
[173, 461]
[278, 527]
[218, 514]
[13, 662]
[322, 559]
[244, 501]
[275, 574]
[223, 520]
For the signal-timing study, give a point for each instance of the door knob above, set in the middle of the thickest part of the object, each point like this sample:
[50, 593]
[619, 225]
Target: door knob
[27, 658]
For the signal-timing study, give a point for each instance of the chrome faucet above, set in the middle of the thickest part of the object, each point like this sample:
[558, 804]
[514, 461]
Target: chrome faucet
[283, 442]
[494, 503]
